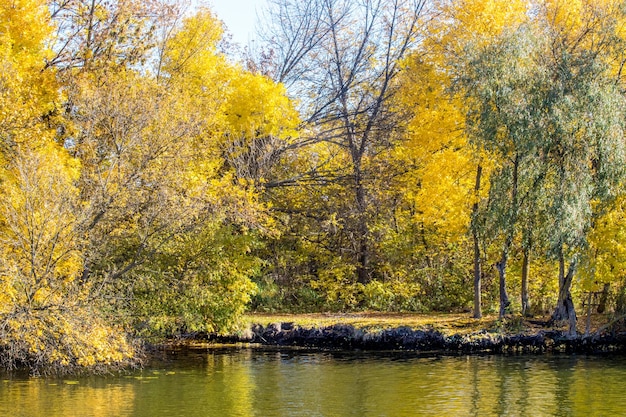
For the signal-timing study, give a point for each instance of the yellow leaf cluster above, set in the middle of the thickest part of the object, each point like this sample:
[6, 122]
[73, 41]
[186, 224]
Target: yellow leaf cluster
[604, 260]
[26, 90]
[39, 243]
[440, 184]
[575, 19]
[477, 20]
[256, 106]
[52, 341]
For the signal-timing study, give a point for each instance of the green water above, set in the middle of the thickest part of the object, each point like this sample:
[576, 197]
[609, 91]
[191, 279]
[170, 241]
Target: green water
[264, 383]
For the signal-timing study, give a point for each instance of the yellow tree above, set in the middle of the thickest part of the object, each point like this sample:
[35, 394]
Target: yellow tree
[602, 264]
[451, 176]
[28, 92]
[46, 321]
[100, 33]
[171, 213]
[437, 188]
[246, 123]
[260, 126]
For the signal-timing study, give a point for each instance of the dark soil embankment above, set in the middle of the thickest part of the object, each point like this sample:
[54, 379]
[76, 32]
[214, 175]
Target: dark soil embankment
[343, 336]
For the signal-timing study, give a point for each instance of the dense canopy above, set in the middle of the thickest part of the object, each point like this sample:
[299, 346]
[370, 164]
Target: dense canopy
[391, 155]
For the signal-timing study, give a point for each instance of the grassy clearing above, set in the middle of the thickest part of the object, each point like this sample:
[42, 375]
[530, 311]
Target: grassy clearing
[446, 323]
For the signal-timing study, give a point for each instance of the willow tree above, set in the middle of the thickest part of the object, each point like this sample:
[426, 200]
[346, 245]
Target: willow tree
[556, 125]
[499, 121]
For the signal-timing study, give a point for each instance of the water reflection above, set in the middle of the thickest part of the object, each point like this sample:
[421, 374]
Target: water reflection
[38, 397]
[261, 383]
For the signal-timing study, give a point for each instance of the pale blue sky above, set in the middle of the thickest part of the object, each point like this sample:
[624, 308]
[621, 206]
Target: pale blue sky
[240, 16]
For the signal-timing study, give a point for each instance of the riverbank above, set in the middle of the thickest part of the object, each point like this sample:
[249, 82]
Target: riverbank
[412, 332]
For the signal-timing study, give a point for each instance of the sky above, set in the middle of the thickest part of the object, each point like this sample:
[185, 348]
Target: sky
[240, 17]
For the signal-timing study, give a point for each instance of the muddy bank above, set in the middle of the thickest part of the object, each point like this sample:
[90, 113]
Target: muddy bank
[404, 338]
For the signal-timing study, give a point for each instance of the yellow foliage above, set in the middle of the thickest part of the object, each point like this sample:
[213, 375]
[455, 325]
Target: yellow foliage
[589, 24]
[257, 106]
[43, 325]
[38, 217]
[194, 48]
[160, 181]
[604, 260]
[336, 283]
[56, 341]
[193, 67]
[24, 27]
[37, 177]
[441, 182]
[477, 20]
[578, 19]
[26, 89]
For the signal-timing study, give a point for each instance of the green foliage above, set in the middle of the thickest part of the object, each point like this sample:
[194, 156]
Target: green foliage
[199, 282]
[392, 296]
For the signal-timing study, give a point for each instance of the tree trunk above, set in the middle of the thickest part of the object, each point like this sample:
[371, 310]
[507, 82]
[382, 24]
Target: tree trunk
[525, 270]
[603, 298]
[477, 279]
[501, 266]
[363, 274]
[588, 324]
[510, 230]
[564, 310]
[477, 264]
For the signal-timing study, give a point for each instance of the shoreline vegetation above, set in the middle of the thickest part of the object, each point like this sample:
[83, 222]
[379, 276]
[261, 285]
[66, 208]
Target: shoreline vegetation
[368, 331]
[446, 333]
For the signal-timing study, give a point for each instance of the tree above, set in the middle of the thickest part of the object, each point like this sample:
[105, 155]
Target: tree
[564, 118]
[28, 92]
[588, 103]
[342, 59]
[170, 214]
[602, 261]
[448, 175]
[436, 191]
[46, 320]
[500, 126]
[96, 33]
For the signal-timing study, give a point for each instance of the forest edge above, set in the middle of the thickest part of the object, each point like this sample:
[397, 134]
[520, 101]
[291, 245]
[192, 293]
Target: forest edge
[452, 334]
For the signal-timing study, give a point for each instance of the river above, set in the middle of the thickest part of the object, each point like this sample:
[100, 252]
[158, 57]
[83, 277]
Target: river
[247, 382]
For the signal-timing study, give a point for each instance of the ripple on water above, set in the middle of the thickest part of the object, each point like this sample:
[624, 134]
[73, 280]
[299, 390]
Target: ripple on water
[297, 383]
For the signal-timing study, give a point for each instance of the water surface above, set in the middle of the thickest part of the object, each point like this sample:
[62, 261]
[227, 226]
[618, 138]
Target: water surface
[295, 383]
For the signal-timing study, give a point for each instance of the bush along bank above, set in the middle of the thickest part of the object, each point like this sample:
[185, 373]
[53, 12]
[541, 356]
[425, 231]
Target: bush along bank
[341, 336]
